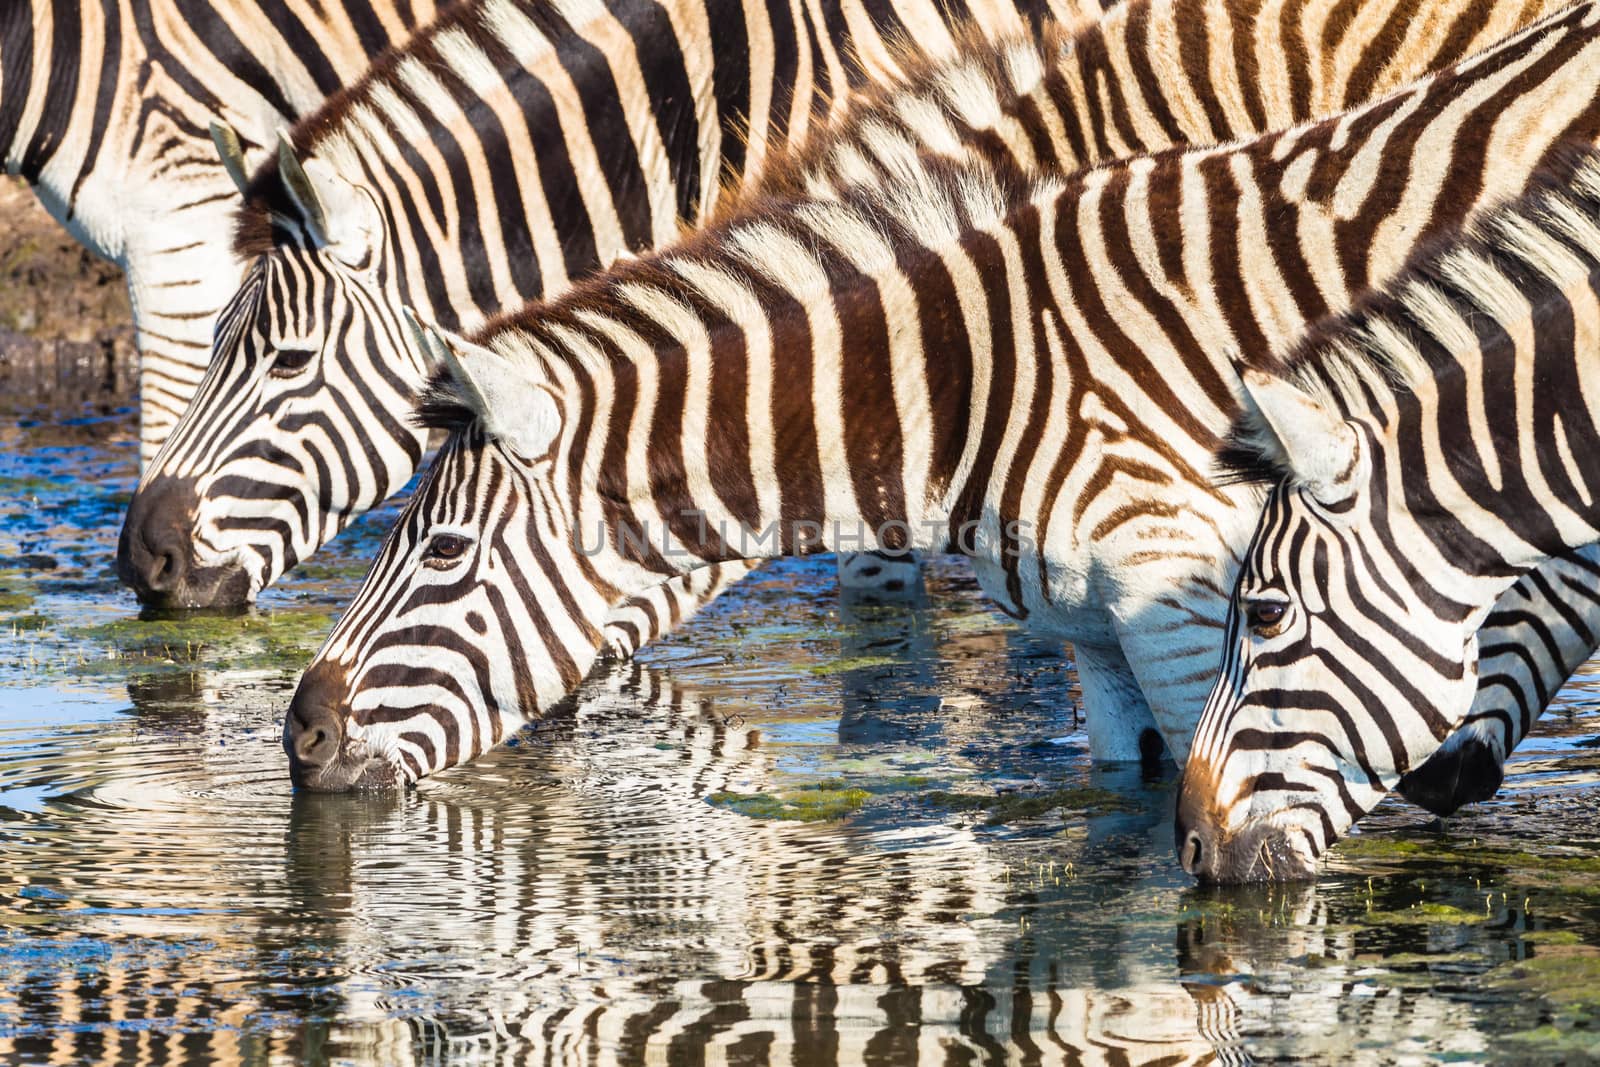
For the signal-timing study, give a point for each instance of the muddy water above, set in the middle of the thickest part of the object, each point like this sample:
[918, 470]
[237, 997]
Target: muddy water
[798, 831]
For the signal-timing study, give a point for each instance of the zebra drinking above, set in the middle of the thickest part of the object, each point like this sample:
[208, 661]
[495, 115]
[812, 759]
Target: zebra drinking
[635, 428]
[282, 451]
[498, 157]
[1426, 451]
[512, 146]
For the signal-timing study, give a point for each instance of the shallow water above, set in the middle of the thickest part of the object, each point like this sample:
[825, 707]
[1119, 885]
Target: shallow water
[798, 831]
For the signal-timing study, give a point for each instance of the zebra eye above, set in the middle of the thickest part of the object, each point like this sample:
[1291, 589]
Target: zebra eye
[1265, 616]
[290, 361]
[444, 549]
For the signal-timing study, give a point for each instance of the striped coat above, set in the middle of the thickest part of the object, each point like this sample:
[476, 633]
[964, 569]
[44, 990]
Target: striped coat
[1034, 375]
[1426, 452]
[244, 491]
[514, 146]
[568, 166]
[104, 109]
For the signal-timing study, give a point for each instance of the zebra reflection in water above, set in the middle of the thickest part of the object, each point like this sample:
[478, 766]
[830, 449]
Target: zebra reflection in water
[577, 898]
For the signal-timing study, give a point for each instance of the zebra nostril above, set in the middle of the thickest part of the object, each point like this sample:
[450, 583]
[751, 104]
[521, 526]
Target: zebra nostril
[153, 549]
[313, 730]
[165, 569]
[308, 744]
[1193, 855]
[314, 736]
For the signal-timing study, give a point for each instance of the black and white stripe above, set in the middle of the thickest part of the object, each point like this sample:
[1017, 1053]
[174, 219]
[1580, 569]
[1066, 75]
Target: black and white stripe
[570, 162]
[513, 146]
[1033, 375]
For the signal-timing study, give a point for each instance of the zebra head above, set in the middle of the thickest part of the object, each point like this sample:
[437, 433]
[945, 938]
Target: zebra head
[481, 610]
[1342, 667]
[293, 431]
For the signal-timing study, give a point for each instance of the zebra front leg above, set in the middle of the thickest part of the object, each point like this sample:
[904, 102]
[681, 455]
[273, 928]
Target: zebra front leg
[1120, 726]
[1540, 632]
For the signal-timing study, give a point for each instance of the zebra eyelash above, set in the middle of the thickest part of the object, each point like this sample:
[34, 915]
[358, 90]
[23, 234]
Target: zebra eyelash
[289, 362]
[443, 550]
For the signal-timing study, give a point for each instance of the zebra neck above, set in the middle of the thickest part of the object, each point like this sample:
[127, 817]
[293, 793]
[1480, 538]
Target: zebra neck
[38, 64]
[814, 458]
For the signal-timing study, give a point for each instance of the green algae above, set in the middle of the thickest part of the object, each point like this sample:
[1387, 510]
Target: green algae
[1030, 804]
[15, 600]
[1573, 874]
[820, 801]
[315, 571]
[296, 627]
[849, 663]
[901, 783]
[1418, 959]
[253, 640]
[813, 802]
[1563, 975]
[1552, 937]
[1555, 1043]
[1424, 914]
[1371, 847]
[29, 485]
[1567, 980]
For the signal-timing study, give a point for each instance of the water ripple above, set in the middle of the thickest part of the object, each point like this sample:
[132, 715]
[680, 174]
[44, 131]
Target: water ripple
[615, 887]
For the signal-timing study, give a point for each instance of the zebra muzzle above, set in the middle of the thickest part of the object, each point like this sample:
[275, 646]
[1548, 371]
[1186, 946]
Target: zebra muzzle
[1262, 850]
[155, 552]
[314, 734]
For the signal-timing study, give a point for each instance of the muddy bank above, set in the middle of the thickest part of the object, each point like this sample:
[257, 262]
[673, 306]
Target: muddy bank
[66, 329]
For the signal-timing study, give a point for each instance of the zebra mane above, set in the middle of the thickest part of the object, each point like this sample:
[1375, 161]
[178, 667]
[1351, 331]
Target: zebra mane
[445, 404]
[448, 63]
[452, 58]
[1413, 328]
[938, 91]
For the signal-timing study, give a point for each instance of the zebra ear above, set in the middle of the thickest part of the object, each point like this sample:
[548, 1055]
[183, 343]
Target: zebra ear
[1320, 450]
[231, 152]
[341, 217]
[512, 404]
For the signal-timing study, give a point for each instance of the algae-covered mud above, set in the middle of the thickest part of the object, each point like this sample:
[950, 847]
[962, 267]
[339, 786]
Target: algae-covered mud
[797, 832]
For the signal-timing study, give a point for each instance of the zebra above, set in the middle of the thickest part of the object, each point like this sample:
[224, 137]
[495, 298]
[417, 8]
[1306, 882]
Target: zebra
[300, 423]
[509, 147]
[1425, 451]
[104, 110]
[1395, 40]
[597, 446]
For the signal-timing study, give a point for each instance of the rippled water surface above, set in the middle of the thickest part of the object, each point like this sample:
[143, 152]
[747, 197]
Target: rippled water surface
[799, 831]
